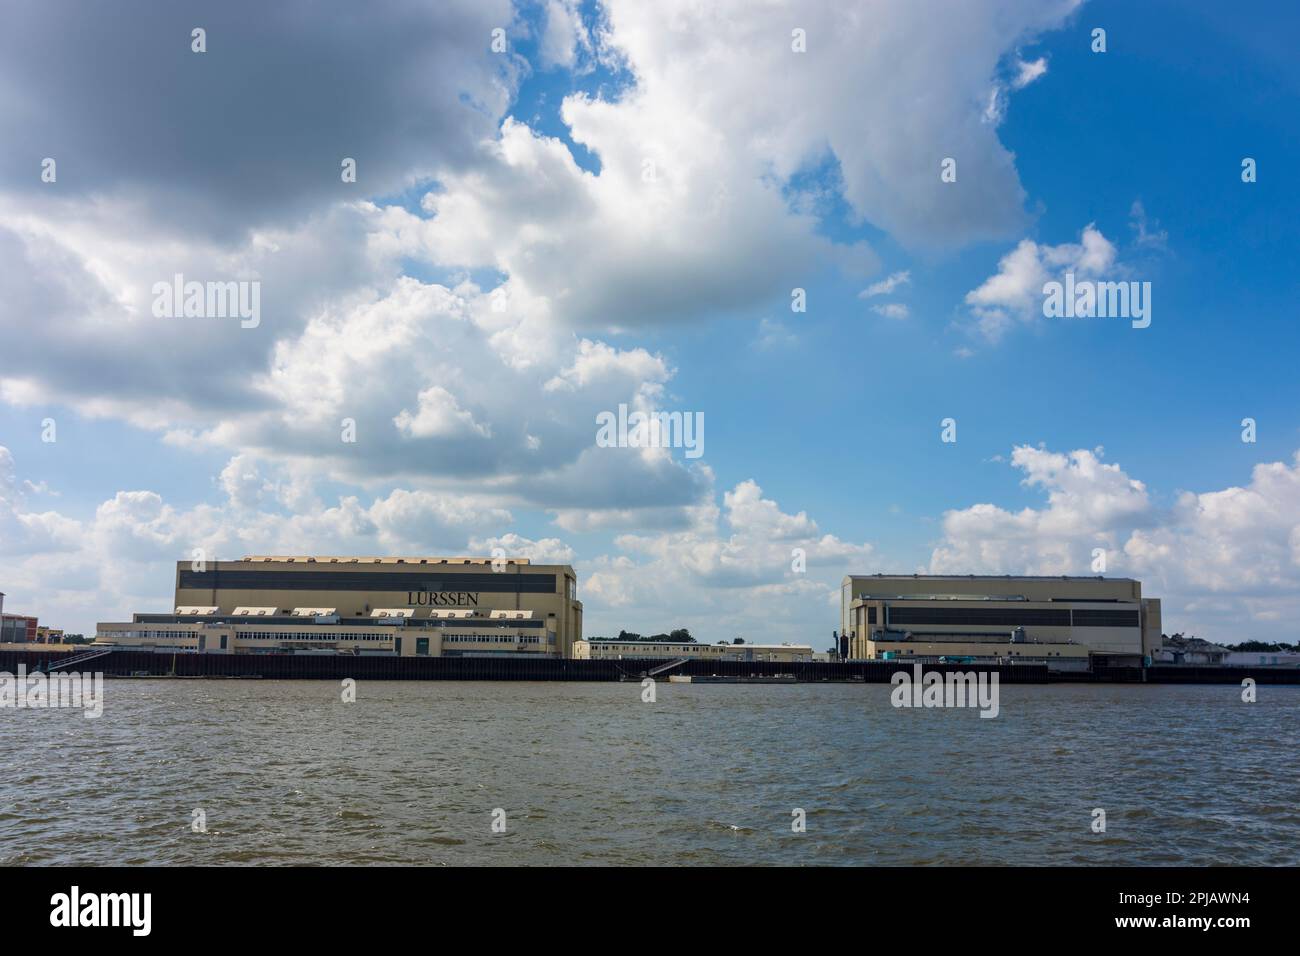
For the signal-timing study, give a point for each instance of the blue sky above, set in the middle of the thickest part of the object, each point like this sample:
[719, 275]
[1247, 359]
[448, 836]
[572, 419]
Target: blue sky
[823, 174]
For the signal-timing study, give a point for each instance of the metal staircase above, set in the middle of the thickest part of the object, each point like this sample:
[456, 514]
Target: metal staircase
[78, 658]
[664, 668]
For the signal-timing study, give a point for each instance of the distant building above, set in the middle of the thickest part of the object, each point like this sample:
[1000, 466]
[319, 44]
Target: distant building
[17, 629]
[602, 650]
[1262, 659]
[986, 616]
[422, 607]
[1190, 650]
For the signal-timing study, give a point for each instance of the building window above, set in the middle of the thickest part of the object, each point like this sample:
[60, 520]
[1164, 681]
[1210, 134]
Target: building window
[989, 617]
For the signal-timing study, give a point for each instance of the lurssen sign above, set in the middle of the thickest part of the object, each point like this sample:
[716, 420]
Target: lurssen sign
[442, 598]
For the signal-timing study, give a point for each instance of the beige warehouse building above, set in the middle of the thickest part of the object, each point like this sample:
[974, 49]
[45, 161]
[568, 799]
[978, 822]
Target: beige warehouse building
[405, 606]
[998, 616]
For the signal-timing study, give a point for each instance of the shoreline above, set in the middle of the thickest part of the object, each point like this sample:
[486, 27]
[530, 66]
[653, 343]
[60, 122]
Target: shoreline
[150, 665]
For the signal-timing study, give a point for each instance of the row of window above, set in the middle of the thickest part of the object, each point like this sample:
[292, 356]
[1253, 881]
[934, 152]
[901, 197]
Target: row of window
[309, 636]
[1007, 617]
[290, 620]
[150, 633]
[1011, 617]
[415, 580]
[488, 639]
[1094, 618]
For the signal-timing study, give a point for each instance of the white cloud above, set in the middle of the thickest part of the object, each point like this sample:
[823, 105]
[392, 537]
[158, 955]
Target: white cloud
[730, 570]
[538, 551]
[25, 532]
[693, 210]
[892, 310]
[597, 363]
[439, 416]
[1015, 293]
[886, 286]
[258, 126]
[563, 35]
[673, 225]
[1089, 503]
[1027, 71]
[74, 573]
[1225, 563]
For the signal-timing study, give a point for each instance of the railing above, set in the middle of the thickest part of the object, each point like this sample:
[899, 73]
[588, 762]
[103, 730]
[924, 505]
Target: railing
[78, 659]
[662, 668]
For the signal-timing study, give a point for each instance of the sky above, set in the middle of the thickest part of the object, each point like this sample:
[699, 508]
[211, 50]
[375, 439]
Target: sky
[824, 230]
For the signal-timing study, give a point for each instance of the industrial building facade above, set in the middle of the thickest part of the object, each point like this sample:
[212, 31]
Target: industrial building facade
[405, 606]
[1041, 618]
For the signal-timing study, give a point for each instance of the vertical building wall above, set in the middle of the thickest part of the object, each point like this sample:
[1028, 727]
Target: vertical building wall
[1152, 626]
[846, 598]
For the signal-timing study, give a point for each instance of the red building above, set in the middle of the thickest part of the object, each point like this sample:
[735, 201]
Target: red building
[16, 628]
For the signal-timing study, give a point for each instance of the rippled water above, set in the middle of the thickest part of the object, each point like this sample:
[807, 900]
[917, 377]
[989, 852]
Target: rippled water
[587, 773]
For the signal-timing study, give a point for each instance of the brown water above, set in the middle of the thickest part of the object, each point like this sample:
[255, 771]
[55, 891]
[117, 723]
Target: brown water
[586, 773]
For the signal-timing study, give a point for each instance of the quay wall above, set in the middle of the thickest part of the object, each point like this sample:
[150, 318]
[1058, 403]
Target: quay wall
[338, 667]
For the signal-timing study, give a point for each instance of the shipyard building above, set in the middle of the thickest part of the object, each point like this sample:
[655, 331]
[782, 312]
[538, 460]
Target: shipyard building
[435, 607]
[1054, 619]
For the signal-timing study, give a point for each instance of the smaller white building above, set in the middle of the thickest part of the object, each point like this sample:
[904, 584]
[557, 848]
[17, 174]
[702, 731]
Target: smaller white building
[1262, 659]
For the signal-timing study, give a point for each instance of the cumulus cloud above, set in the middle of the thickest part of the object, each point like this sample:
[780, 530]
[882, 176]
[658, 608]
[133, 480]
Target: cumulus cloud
[1226, 563]
[251, 133]
[536, 550]
[887, 285]
[693, 208]
[669, 228]
[26, 532]
[739, 564]
[1027, 71]
[774, 105]
[439, 416]
[1089, 504]
[564, 35]
[121, 559]
[1015, 293]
